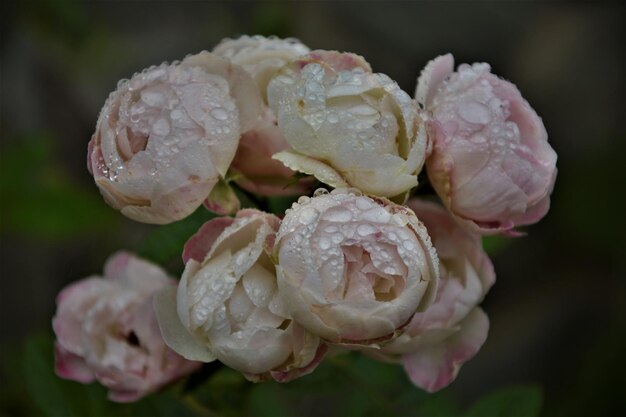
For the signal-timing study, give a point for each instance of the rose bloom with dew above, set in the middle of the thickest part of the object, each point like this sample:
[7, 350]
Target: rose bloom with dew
[354, 269]
[491, 163]
[227, 305]
[347, 126]
[451, 331]
[106, 331]
[165, 137]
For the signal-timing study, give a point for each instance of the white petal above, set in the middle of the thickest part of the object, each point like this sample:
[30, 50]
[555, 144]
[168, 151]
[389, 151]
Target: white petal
[310, 166]
[174, 333]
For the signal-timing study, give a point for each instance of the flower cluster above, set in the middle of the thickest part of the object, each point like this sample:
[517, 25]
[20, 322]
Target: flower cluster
[373, 265]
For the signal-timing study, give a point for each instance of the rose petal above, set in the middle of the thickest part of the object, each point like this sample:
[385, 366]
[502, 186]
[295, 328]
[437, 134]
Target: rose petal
[434, 367]
[176, 336]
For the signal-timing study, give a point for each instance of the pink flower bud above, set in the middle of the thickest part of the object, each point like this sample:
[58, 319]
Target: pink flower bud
[106, 331]
[227, 306]
[451, 331]
[353, 269]
[491, 163]
[166, 136]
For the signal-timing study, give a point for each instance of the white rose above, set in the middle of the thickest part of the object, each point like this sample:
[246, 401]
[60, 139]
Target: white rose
[227, 304]
[348, 126]
[354, 269]
[166, 136]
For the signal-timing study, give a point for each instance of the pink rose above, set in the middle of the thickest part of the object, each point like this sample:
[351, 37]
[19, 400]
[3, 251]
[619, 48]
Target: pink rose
[491, 163]
[451, 331]
[166, 136]
[106, 331]
[354, 269]
[227, 306]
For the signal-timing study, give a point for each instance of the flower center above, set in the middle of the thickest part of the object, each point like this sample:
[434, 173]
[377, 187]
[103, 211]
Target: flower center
[364, 281]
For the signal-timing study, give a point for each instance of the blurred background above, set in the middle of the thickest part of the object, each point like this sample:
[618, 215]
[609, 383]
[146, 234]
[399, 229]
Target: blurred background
[558, 309]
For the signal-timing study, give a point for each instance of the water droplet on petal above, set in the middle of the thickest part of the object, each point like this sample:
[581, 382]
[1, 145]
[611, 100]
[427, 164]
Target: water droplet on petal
[307, 215]
[337, 238]
[338, 214]
[219, 113]
[474, 112]
[365, 229]
[332, 118]
[331, 229]
[161, 127]
[363, 203]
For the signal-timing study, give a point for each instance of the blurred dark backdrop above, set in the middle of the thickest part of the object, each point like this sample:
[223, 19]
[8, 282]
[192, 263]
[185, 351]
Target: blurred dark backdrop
[558, 309]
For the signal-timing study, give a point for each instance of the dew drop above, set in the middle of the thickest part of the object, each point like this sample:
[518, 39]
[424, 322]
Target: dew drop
[376, 215]
[324, 243]
[161, 127]
[474, 112]
[176, 114]
[219, 113]
[338, 215]
[307, 215]
[365, 229]
[337, 238]
[152, 98]
[363, 203]
[331, 229]
[332, 118]
[478, 139]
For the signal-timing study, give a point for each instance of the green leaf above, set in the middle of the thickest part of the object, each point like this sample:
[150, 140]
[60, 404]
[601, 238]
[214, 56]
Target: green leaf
[40, 199]
[438, 405]
[278, 205]
[225, 392]
[495, 244]
[164, 244]
[55, 397]
[517, 401]
[267, 400]
[415, 402]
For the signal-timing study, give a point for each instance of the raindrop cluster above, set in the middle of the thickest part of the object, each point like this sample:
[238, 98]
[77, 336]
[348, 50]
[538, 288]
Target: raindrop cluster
[381, 250]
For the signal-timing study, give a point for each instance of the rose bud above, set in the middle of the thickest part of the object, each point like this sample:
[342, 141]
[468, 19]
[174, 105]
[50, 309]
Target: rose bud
[451, 331]
[348, 126]
[491, 163]
[354, 269]
[106, 331]
[166, 136]
[227, 305]
[255, 169]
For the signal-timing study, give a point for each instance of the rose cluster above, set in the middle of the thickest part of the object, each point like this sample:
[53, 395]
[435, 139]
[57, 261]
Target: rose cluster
[364, 260]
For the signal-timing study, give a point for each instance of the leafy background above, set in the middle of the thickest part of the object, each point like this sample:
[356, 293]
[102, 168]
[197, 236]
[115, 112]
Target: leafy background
[558, 310]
